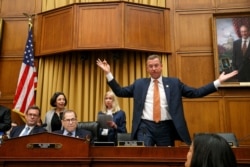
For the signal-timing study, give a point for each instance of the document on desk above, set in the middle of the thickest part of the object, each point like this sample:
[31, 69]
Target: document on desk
[103, 119]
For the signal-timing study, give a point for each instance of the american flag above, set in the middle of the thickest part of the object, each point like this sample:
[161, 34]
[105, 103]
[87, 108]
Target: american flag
[25, 92]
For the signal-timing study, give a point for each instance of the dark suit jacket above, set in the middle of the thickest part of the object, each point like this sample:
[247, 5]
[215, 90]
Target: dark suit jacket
[174, 91]
[80, 133]
[15, 132]
[119, 118]
[5, 119]
[240, 62]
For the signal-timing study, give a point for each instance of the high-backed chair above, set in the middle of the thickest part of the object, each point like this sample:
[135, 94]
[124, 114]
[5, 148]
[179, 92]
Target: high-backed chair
[230, 138]
[91, 126]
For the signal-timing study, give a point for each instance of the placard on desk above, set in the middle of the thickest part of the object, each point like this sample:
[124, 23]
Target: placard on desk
[130, 143]
[45, 145]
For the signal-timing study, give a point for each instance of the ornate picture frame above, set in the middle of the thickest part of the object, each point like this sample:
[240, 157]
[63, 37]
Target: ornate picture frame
[228, 52]
[1, 30]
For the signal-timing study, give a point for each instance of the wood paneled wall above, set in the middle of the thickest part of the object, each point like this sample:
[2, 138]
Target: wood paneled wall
[14, 36]
[193, 56]
[192, 60]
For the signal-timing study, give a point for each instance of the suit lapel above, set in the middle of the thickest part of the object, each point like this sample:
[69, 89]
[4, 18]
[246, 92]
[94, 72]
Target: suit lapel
[166, 87]
[33, 131]
[145, 89]
[18, 130]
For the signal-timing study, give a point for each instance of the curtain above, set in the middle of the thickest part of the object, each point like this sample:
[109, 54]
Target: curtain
[84, 83]
[78, 76]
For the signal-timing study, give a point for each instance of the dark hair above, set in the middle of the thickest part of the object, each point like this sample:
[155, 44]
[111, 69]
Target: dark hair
[54, 97]
[62, 114]
[212, 150]
[33, 107]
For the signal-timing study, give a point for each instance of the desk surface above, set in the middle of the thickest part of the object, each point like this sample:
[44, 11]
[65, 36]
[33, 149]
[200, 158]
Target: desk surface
[76, 152]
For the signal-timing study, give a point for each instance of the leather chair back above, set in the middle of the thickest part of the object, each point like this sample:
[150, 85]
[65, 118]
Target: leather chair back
[91, 126]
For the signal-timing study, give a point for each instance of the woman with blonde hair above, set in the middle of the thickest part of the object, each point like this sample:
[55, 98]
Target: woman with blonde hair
[117, 124]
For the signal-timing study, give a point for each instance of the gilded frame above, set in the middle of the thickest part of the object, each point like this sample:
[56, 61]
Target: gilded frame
[1, 29]
[225, 33]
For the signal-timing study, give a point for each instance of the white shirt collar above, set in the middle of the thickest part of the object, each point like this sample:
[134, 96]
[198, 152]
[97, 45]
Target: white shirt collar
[159, 79]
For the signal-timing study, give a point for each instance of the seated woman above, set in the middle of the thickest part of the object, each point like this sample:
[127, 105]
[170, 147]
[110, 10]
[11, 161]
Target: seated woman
[118, 122]
[210, 150]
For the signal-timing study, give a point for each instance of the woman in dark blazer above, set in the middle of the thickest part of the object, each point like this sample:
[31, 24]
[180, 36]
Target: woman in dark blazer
[111, 107]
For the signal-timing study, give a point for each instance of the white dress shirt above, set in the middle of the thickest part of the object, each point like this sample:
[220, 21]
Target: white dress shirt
[247, 42]
[148, 105]
[24, 133]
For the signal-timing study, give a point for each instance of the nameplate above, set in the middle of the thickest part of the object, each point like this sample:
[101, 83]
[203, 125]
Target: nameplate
[131, 143]
[44, 145]
[244, 83]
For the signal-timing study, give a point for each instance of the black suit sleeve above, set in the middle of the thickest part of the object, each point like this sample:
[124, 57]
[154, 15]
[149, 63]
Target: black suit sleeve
[5, 119]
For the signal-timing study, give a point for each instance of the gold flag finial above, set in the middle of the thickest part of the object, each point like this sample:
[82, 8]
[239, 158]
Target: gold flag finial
[30, 19]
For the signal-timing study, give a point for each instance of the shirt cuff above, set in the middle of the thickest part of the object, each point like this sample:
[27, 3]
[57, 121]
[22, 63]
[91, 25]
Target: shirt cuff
[217, 84]
[109, 76]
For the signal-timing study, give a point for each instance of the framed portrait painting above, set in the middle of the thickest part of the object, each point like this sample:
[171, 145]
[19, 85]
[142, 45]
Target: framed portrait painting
[231, 34]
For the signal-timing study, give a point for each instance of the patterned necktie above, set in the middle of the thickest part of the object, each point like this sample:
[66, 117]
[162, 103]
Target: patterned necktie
[69, 134]
[244, 47]
[156, 103]
[26, 131]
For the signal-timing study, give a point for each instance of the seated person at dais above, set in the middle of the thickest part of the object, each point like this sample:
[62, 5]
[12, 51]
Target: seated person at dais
[69, 123]
[13, 124]
[5, 119]
[117, 124]
[32, 116]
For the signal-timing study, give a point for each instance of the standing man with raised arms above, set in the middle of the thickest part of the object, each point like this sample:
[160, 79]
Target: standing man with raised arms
[158, 117]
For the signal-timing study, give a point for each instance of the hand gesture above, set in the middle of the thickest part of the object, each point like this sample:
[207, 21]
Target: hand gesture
[103, 65]
[223, 77]
[111, 124]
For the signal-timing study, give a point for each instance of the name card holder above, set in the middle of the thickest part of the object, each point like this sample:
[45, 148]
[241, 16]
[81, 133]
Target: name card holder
[44, 145]
[130, 144]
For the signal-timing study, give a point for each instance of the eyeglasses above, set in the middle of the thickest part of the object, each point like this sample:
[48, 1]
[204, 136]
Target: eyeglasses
[73, 120]
[32, 115]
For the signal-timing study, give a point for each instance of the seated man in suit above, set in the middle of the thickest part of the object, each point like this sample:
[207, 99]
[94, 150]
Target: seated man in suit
[69, 123]
[32, 116]
[5, 119]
